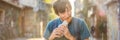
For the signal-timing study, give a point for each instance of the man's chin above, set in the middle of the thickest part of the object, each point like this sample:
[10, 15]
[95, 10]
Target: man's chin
[66, 18]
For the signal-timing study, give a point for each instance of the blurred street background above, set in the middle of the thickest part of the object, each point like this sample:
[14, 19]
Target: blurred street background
[27, 19]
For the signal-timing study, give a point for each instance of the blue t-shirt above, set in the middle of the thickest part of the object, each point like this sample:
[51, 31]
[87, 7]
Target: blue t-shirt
[75, 26]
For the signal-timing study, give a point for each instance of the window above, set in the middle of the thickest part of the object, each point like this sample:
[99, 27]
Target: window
[2, 16]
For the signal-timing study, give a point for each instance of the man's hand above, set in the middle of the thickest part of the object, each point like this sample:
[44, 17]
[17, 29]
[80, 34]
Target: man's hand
[67, 33]
[57, 33]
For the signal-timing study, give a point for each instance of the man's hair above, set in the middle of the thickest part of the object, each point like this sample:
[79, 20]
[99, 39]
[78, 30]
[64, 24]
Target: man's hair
[60, 5]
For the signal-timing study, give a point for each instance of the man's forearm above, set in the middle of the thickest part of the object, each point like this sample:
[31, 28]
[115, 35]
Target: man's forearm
[87, 39]
[72, 38]
[50, 38]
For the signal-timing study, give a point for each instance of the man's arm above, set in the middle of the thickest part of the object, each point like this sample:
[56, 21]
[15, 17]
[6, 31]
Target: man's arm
[47, 32]
[72, 38]
[87, 39]
[85, 32]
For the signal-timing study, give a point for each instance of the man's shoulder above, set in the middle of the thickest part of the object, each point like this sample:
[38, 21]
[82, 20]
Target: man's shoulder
[54, 21]
[51, 24]
[78, 19]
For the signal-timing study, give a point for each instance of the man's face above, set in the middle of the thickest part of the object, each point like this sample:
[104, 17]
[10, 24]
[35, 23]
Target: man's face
[65, 15]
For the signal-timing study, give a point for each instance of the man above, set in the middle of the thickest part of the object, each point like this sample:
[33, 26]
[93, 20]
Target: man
[75, 30]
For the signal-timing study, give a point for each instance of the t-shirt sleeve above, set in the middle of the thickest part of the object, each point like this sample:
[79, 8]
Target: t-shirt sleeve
[85, 32]
[47, 32]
